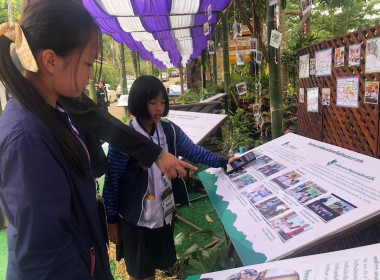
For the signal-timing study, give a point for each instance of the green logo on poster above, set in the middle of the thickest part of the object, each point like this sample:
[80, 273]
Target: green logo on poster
[331, 162]
[285, 144]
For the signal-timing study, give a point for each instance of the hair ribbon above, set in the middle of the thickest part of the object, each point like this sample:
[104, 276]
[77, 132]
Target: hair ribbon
[13, 31]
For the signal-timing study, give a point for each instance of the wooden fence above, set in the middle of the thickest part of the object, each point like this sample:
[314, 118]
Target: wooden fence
[356, 129]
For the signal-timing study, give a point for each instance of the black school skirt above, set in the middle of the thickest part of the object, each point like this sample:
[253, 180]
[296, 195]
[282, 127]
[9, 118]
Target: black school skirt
[145, 249]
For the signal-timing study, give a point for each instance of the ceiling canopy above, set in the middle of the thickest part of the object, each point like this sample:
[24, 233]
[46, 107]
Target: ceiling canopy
[166, 32]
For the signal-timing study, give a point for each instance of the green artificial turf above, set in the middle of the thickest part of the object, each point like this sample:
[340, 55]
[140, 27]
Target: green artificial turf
[3, 254]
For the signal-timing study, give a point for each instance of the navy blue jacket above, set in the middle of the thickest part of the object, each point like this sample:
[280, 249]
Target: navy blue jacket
[54, 219]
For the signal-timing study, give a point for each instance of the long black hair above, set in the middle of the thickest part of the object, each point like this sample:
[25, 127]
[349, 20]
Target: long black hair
[64, 27]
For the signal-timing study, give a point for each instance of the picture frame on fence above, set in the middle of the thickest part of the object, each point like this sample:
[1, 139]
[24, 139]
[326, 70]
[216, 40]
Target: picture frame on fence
[347, 92]
[259, 57]
[211, 46]
[323, 63]
[312, 100]
[240, 58]
[339, 57]
[371, 94]
[241, 88]
[302, 95]
[253, 44]
[354, 55]
[326, 96]
[206, 28]
[312, 66]
[372, 59]
[304, 66]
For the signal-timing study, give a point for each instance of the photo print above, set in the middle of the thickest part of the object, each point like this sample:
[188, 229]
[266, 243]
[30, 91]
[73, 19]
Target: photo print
[312, 66]
[306, 6]
[236, 29]
[330, 207]
[289, 226]
[253, 44]
[243, 181]
[257, 194]
[272, 2]
[372, 60]
[354, 55]
[240, 58]
[339, 57]
[371, 94]
[302, 95]
[209, 12]
[271, 168]
[278, 274]
[241, 88]
[271, 208]
[306, 191]
[347, 92]
[326, 96]
[275, 39]
[288, 180]
[323, 63]
[206, 28]
[261, 161]
[237, 173]
[259, 57]
[256, 109]
[312, 100]
[211, 46]
[246, 274]
[304, 66]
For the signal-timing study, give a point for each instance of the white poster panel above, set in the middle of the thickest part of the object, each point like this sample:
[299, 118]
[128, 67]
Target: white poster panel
[123, 100]
[356, 263]
[312, 100]
[197, 126]
[347, 92]
[372, 60]
[323, 63]
[304, 66]
[296, 193]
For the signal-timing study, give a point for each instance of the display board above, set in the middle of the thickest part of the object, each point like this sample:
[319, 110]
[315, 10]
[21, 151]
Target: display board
[357, 263]
[123, 100]
[197, 126]
[298, 193]
[215, 97]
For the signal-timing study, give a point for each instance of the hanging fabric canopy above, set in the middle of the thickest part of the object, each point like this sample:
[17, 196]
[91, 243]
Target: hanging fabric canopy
[166, 32]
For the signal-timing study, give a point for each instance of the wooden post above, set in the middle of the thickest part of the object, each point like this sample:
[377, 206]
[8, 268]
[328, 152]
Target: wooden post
[226, 60]
[214, 64]
[180, 67]
[203, 69]
[123, 71]
[275, 87]
[92, 90]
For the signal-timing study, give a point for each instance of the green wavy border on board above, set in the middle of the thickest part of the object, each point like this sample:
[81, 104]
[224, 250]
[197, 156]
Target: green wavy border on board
[242, 246]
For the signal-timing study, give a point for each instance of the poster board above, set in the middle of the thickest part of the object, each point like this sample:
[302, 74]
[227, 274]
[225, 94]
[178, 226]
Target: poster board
[356, 263]
[215, 97]
[296, 194]
[123, 100]
[197, 126]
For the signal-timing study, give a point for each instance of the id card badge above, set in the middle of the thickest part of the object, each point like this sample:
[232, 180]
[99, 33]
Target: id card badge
[167, 198]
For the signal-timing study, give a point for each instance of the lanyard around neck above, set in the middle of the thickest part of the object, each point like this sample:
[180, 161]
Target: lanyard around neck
[150, 136]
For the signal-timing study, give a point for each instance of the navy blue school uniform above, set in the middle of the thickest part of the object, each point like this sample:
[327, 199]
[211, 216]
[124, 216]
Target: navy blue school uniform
[56, 229]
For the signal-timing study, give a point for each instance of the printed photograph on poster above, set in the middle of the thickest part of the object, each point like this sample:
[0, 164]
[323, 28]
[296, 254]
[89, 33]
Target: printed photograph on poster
[206, 28]
[275, 39]
[304, 66]
[209, 12]
[257, 194]
[289, 179]
[289, 226]
[306, 6]
[347, 92]
[237, 173]
[312, 66]
[330, 207]
[339, 57]
[244, 181]
[326, 96]
[271, 168]
[354, 55]
[240, 58]
[253, 44]
[259, 57]
[236, 29]
[271, 208]
[244, 274]
[323, 63]
[241, 88]
[211, 46]
[302, 95]
[371, 95]
[312, 100]
[261, 161]
[372, 59]
[272, 2]
[306, 191]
